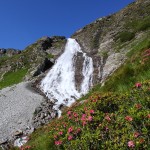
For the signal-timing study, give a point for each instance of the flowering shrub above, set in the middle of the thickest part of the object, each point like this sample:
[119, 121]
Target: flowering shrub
[104, 121]
[109, 121]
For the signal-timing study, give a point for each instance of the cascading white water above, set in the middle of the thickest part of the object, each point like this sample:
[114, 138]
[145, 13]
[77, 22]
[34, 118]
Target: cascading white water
[59, 84]
[87, 74]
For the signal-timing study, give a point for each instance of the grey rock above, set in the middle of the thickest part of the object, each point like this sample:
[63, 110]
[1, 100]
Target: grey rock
[18, 133]
[3, 141]
[37, 110]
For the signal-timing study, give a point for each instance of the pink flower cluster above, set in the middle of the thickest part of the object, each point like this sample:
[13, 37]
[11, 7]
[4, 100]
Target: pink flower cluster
[58, 142]
[128, 118]
[136, 134]
[70, 137]
[138, 85]
[131, 144]
[70, 129]
[107, 117]
[85, 118]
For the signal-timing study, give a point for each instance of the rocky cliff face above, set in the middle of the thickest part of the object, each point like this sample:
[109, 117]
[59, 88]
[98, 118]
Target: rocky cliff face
[8, 52]
[109, 39]
[36, 58]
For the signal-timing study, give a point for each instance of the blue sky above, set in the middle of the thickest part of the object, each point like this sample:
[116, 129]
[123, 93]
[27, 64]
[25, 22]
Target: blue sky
[22, 22]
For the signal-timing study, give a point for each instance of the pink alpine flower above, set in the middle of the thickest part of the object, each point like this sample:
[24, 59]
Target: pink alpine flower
[75, 115]
[70, 117]
[90, 118]
[148, 116]
[70, 129]
[106, 128]
[78, 130]
[141, 140]
[107, 118]
[131, 144]
[69, 113]
[128, 118]
[83, 118]
[91, 111]
[64, 125]
[138, 85]
[94, 100]
[70, 137]
[60, 133]
[136, 134]
[58, 142]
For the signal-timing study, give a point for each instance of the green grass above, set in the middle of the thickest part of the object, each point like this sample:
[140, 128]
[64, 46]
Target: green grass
[41, 141]
[11, 78]
[50, 56]
[138, 25]
[133, 70]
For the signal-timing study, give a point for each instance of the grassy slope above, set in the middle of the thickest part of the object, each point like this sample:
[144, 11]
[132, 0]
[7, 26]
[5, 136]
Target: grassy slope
[20, 64]
[117, 118]
[11, 78]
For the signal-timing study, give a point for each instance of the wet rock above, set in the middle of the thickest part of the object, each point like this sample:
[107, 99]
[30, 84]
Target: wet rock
[21, 141]
[54, 114]
[18, 133]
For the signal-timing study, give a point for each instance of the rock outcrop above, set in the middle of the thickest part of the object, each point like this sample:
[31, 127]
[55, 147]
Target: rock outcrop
[102, 41]
[36, 58]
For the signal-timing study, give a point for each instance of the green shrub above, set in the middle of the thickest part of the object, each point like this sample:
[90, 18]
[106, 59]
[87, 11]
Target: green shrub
[125, 36]
[142, 26]
[138, 25]
[103, 121]
[50, 55]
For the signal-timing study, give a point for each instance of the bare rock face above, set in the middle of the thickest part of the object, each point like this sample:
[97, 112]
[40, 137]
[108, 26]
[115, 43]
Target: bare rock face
[36, 58]
[100, 39]
[9, 52]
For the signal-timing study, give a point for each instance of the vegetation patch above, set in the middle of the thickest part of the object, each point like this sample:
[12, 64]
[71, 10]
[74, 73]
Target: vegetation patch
[50, 56]
[11, 78]
[139, 25]
[125, 36]
[103, 121]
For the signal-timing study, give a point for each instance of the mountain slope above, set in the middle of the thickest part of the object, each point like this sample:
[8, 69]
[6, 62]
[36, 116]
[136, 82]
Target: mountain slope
[32, 61]
[121, 39]
[106, 120]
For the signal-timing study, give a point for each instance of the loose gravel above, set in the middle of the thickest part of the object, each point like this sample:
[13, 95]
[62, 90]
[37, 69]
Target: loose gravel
[17, 105]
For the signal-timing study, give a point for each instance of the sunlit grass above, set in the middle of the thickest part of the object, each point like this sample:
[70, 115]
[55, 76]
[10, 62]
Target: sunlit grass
[11, 78]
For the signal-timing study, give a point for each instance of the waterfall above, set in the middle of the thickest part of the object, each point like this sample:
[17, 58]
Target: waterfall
[87, 74]
[59, 83]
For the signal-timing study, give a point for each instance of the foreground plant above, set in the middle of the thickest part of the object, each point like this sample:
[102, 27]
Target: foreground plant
[104, 121]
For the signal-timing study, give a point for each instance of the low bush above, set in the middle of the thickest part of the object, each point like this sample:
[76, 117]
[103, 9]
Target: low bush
[125, 36]
[103, 121]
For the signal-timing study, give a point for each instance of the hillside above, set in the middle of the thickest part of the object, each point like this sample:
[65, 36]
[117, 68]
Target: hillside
[31, 62]
[115, 113]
